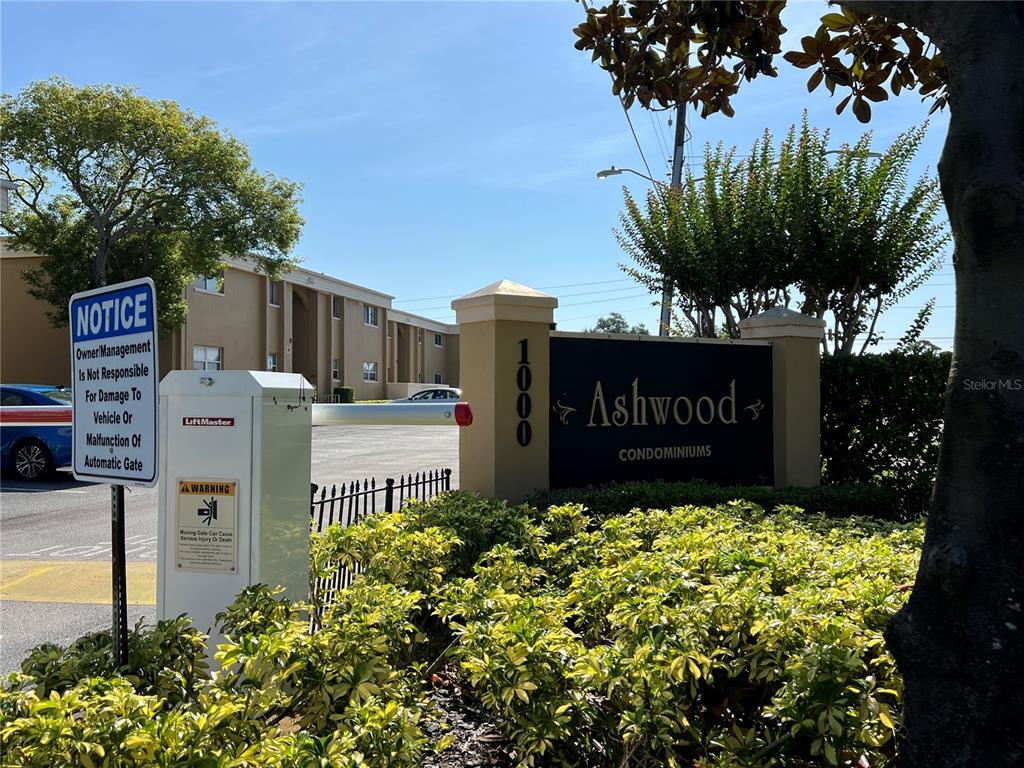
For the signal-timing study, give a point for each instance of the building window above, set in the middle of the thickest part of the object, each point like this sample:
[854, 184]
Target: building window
[439, 378]
[207, 358]
[272, 361]
[369, 371]
[213, 284]
[370, 315]
[336, 369]
[438, 340]
[274, 292]
[336, 307]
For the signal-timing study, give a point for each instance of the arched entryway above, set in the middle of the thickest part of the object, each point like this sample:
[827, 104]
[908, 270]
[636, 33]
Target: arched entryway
[301, 362]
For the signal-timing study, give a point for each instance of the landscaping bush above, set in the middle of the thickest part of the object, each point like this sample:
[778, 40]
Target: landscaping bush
[882, 421]
[694, 636]
[688, 636]
[615, 499]
[167, 661]
[392, 548]
[478, 522]
[344, 696]
[344, 394]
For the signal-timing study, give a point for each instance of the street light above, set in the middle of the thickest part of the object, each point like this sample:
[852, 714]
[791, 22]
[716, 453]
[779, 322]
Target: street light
[613, 171]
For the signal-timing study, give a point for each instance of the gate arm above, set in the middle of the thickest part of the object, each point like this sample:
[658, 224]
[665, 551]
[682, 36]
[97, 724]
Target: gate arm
[395, 414]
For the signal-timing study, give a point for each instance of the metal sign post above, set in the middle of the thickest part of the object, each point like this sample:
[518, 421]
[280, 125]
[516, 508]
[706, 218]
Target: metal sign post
[118, 577]
[115, 372]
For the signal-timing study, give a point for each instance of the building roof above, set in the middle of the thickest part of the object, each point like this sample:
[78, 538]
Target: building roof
[421, 322]
[325, 283]
[321, 282]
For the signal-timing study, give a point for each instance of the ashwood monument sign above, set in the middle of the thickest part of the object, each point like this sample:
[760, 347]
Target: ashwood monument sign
[560, 409]
[631, 410]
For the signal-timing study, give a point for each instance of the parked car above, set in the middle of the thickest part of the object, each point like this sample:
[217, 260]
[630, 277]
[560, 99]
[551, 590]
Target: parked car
[433, 395]
[34, 441]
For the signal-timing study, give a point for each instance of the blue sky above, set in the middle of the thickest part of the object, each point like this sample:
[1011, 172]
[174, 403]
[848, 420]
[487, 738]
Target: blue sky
[442, 146]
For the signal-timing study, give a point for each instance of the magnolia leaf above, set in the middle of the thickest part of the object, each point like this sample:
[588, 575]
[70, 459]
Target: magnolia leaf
[876, 93]
[801, 60]
[862, 109]
[836, 22]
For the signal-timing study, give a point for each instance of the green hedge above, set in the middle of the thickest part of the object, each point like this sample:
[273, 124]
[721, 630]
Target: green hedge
[706, 637]
[617, 499]
[695, 636]
[345, 394]
[882, 421]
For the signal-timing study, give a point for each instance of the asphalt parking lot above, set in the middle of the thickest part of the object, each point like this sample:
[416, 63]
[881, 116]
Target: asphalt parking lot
[55, 536]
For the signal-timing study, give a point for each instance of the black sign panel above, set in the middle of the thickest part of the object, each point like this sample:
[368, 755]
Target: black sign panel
[660, 410]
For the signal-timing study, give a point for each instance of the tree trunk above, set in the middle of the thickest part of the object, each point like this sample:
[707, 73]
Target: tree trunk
[99, 265]
[959, 641]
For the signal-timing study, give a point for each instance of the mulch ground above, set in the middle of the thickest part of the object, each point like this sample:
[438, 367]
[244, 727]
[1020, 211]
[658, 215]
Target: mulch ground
[477, 740]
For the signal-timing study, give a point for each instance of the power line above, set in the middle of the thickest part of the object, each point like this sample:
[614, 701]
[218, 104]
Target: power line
[607, 298]
[598, 301]
[648, 305]
[635, 139]
[542, 287]
[637, 295]
[577, 285]
[583, 293]
[655, 125]
[597, 293]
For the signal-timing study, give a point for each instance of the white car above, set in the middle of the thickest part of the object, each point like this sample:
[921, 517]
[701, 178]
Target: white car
[433, 395]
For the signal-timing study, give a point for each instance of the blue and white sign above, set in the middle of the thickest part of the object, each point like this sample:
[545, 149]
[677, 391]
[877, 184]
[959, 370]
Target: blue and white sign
[114, 371]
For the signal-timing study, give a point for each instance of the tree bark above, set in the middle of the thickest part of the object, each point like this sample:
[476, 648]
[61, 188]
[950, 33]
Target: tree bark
[959, 641]
[99, 266]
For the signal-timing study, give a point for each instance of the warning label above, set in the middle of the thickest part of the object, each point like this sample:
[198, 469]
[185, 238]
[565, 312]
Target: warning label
[207, 526]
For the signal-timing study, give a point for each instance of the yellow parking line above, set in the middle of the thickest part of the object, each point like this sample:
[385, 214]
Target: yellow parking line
[6, 583]
[73, 581]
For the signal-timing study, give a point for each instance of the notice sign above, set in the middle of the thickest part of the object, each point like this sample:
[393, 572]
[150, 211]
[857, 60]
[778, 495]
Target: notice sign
[114, 372]
[207, 526]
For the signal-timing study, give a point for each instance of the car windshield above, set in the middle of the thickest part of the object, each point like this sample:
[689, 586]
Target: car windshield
[57, 394]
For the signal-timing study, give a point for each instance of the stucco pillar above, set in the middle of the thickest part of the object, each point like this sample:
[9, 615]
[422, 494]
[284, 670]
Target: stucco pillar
[504, 338]
[796, 387]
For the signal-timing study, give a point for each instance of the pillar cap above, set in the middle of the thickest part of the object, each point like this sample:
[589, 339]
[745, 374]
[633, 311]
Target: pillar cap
[781, 322]
[505, 300]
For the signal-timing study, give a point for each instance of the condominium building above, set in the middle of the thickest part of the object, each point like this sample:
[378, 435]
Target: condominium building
[334, 333]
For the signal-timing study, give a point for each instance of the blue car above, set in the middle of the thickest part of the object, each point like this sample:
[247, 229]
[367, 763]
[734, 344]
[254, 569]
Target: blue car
[34, 440]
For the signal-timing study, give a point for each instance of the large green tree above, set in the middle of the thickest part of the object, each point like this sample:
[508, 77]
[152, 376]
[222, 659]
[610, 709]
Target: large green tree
[959, 640]
[111, 185]
[838, 233]
[616, 323]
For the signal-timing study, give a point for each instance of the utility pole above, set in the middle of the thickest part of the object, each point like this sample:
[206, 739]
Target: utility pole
[678, 155]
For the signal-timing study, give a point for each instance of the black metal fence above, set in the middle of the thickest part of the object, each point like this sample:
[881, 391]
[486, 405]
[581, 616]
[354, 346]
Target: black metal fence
[348, 503]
